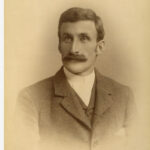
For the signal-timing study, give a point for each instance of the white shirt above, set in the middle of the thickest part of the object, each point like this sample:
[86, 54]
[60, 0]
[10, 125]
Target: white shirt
[81, 84]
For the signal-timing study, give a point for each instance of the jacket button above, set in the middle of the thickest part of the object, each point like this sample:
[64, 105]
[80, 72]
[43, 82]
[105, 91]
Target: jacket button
[95, 143]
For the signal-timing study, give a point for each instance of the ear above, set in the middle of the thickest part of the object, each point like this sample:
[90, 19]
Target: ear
[100, 47]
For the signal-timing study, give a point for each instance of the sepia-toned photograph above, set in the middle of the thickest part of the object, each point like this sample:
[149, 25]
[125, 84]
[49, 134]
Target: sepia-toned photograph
[76, 75]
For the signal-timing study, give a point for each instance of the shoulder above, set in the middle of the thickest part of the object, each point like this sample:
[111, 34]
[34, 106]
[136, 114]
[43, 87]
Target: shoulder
[39, 88]
[119, 92]
[36, 93]
[40, 92]
[110, 84]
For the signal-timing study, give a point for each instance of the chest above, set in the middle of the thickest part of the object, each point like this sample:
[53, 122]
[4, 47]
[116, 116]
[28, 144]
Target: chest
[64, 117]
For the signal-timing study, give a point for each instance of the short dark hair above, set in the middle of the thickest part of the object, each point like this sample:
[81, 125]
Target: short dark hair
[77, 14]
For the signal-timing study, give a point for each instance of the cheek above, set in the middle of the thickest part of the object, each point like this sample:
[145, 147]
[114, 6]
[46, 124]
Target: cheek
[64, 48]
[91, 51]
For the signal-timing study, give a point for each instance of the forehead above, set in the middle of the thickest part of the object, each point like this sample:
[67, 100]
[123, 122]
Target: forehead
[78, 27]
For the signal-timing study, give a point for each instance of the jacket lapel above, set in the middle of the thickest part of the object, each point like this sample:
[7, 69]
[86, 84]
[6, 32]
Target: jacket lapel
[69, 102]
[103, 101]
[76, 111]
[103, 98]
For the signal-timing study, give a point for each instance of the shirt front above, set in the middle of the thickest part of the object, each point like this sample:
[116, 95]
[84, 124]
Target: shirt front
[88, 110]
[82, 85]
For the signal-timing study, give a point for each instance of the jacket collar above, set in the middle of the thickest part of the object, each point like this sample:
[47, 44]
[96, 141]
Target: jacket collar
[60, 83]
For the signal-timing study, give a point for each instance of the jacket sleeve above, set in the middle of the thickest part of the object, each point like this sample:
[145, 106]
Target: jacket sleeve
[25, 123]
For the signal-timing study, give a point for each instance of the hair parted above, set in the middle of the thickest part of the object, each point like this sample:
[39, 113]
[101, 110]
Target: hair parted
[75, 14]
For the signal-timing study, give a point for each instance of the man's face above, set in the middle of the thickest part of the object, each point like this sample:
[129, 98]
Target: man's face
[78, 46]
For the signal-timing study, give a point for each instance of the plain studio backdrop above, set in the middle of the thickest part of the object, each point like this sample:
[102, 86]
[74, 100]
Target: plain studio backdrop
[31, 48]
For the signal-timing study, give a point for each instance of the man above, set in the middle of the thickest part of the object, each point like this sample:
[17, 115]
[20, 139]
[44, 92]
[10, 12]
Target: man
[77, 108]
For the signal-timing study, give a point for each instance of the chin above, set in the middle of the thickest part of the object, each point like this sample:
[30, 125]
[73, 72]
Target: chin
[77, 68]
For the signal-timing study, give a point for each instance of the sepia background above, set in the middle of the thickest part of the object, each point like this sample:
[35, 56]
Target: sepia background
[31, 49]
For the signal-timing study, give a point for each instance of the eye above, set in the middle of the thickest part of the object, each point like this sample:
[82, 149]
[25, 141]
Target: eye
[67, 38]
[84, 38]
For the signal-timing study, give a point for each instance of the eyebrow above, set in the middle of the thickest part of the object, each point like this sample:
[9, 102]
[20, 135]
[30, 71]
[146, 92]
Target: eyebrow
[84, 34]
[66, 34]
[80, 34]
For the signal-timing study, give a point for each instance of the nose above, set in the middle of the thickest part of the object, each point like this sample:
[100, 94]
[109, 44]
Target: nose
[75, 47]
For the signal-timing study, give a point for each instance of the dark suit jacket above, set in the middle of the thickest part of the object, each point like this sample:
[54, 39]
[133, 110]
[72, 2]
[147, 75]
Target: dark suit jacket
[47, 112]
